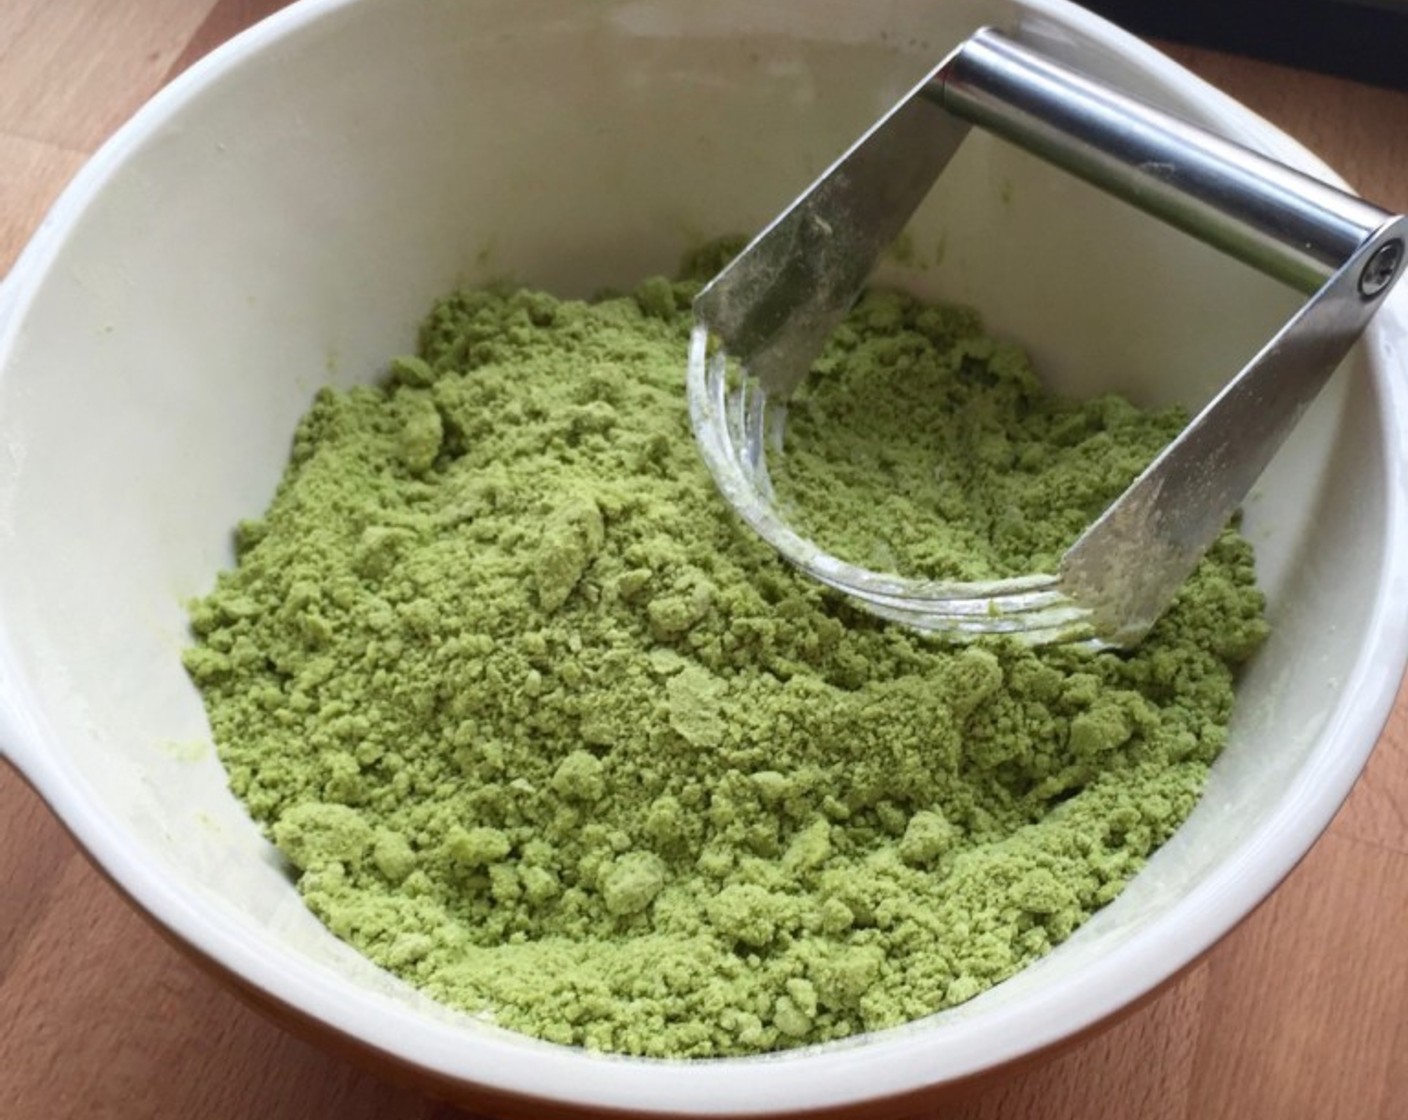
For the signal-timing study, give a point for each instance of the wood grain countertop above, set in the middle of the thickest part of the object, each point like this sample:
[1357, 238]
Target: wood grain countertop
[1301, 1013]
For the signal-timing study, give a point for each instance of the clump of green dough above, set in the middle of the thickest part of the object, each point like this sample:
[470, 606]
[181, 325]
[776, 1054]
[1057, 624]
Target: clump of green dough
[543, 729]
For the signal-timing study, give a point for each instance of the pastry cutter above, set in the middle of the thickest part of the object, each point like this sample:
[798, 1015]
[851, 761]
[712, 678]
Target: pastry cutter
[762, 321]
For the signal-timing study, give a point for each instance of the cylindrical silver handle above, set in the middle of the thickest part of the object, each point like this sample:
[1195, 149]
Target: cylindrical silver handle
[1277, 220]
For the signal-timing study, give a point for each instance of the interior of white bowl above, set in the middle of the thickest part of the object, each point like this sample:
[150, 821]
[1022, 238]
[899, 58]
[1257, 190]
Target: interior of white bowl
[281, 217]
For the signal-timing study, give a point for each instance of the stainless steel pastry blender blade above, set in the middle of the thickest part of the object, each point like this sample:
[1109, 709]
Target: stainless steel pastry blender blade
[774, 306]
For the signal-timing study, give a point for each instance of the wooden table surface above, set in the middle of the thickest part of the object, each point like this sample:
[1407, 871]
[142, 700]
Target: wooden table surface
[1301, 1013]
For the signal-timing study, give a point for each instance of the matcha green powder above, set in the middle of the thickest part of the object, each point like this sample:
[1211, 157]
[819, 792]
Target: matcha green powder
[543, 729]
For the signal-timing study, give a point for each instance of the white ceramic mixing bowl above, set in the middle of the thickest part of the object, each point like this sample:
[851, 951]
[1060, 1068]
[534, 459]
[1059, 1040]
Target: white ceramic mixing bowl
[283, 213]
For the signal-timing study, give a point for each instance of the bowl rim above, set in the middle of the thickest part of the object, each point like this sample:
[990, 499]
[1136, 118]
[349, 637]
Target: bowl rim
[884, 1064]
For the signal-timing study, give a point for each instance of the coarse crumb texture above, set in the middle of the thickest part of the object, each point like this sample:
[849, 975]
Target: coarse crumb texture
[921, 446]
[543, 729]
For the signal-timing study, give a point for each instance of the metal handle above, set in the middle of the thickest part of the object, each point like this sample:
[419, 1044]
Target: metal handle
[1278, 220]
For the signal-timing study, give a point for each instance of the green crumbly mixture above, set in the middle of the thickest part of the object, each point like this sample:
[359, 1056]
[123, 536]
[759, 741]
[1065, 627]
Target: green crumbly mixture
[922, 446]
[542, 728]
